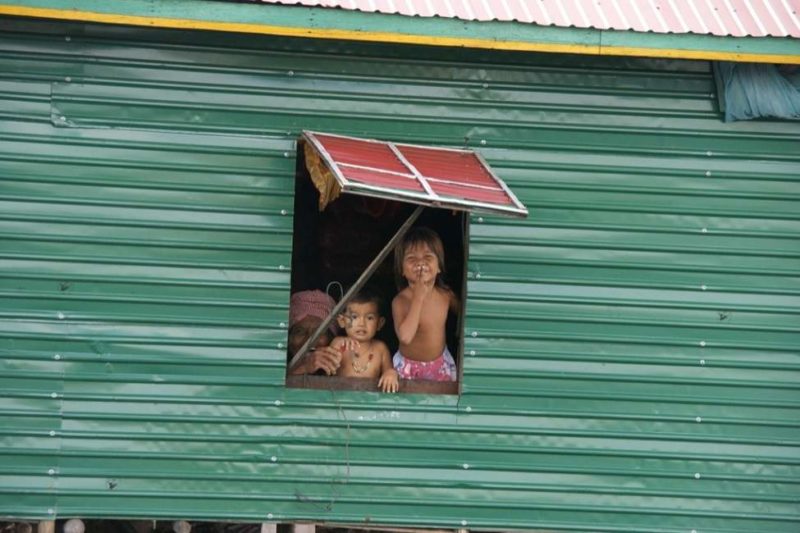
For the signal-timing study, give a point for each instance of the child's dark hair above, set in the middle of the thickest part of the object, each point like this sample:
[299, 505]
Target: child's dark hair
[415, 237]
[368, 295]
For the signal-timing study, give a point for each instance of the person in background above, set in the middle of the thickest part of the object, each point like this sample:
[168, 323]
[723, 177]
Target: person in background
[307, 310]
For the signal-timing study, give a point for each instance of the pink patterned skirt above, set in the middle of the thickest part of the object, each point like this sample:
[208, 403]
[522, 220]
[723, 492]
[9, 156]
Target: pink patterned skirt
[443, 368]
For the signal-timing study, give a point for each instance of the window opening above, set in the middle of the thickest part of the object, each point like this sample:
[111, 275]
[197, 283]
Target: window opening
[349, 237]
[358, 284]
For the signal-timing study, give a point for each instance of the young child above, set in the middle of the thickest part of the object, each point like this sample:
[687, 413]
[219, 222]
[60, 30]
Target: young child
[363, 356]
[420, 308]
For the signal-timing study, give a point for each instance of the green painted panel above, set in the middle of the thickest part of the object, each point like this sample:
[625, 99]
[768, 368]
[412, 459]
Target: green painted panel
[631, 359]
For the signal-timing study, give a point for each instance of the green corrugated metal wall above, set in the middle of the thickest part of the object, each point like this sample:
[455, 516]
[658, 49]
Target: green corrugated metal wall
[632, 347]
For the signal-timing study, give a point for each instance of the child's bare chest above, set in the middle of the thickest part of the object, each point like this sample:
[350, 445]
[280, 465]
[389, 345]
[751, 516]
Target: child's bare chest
[364, 362]
[435, 314]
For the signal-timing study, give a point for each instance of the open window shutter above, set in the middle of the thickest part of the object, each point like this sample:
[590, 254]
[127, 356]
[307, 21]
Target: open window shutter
[439, 177]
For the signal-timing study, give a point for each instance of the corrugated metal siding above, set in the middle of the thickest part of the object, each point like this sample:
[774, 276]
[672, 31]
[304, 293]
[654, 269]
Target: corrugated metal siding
[632, 347]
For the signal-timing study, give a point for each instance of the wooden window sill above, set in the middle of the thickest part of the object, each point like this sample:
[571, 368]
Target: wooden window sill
[369, 385]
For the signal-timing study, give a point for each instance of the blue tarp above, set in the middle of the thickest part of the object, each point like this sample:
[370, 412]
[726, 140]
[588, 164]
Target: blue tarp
[755, 90]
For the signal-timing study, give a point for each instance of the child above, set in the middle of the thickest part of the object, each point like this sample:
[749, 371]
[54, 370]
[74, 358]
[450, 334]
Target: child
[420, 308]
[363, 356]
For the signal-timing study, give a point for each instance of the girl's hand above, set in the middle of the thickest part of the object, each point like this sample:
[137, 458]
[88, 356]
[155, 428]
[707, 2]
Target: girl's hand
[389, 381]
[422, 288]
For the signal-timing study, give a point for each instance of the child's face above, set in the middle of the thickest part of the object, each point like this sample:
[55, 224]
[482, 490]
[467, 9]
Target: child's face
[361, 321]
[420, 264]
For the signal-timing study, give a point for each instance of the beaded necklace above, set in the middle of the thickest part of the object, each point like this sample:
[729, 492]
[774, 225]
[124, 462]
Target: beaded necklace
[358, 367]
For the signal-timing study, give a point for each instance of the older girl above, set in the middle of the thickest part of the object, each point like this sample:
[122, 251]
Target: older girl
[420, 308]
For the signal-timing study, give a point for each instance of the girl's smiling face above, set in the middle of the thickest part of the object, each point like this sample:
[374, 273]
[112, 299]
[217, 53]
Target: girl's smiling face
[420, 263]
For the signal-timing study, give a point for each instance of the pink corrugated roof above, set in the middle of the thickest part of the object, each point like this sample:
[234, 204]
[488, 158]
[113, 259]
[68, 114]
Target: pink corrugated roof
[738, 18]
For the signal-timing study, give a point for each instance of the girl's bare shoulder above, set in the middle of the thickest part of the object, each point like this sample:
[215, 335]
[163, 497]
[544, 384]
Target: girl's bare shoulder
[445, 293]
[450, 297]
[402, 296]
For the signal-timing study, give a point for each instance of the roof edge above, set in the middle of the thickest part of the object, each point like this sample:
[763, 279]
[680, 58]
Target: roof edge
[322, 23]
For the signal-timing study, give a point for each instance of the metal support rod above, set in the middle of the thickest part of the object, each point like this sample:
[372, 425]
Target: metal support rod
[360, 282]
